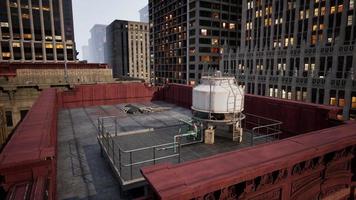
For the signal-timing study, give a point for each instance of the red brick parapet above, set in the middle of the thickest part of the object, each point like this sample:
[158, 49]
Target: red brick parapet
[309, 166]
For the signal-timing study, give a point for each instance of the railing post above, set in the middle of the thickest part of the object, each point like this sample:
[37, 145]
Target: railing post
[120, 163]
[252, 132]
[179, 151]
[113, 152]
[154, 155]
[115, 126]
[99, 127]
[130, 165]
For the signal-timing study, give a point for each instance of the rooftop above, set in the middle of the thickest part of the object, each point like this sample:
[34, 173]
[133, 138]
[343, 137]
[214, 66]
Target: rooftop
[85, 170]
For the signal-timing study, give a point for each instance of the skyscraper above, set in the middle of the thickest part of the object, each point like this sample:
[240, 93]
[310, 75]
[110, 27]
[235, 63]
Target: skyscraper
[127, 49]
[97, 43]
[299, 50]
[144, 14]
[181, 54]
[36, 30]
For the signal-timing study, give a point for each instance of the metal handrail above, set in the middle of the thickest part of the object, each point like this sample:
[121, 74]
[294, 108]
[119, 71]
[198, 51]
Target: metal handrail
[150, 147]
[269, 127]
[150, 160]
[115, 153]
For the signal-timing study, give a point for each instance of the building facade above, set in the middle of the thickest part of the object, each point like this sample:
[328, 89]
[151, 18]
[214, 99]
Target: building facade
[298, 49]
[127, 49]
[21, 84]
[36, 31]
[144, 14]
[97, 44]
[181, 54]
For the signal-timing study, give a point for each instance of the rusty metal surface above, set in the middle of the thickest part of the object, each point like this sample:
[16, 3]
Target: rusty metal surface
[205, 176]
[106, 94]
[31, 151]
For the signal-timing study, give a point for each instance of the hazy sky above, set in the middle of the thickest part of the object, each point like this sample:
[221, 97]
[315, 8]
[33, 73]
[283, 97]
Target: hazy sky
[86, 13]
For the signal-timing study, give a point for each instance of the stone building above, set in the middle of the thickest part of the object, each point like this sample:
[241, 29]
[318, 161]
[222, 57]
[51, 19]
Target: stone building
[127, 49]
[21, 84]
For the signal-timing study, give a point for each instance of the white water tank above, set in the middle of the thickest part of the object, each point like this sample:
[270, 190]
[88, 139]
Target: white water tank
[217, 94]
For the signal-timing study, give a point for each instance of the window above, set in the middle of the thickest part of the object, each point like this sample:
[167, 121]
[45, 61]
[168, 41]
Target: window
[352, 4]
[16, 44]
[232, 26]
[204, 32]
[215, 41]
[353, 102]
[349, 20]
[9, 122]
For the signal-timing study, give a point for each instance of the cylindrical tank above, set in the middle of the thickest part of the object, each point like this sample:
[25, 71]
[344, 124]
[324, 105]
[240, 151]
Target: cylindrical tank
[217, 94]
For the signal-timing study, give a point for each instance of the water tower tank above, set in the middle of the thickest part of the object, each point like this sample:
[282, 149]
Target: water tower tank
[218, 94]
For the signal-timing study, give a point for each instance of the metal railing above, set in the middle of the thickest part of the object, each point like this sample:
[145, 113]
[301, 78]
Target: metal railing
[262, 128]
[128, 162]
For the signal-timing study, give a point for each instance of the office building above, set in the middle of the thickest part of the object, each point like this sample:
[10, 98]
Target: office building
[181, 55]
[37, 30]
[298, 50]
[85, 52]
[96, 44]
[127, 49]
[144, 14]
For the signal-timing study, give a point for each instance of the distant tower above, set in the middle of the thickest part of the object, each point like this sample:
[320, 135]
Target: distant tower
[144, 14]
[96, 44]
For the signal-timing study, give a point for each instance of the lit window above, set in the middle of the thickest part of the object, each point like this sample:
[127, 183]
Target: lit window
[316, 12]
[312, 67]
[352, 4]
[25, 16]
[58, 37]
[323, 11]
[232, 26]
[340, 8]
[16, 44]
[6, 54]
[59, 46]
[315, 27]
[333, 101]
[49, 45]
[4, 24]
[314, 39]
[45, 8]
[204, 32]
[353, 101]
[349, 20]
[301, 15]
[332, 9]
[215, 41]
[27, 36]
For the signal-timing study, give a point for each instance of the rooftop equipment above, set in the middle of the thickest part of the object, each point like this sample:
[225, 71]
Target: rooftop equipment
[219, 100]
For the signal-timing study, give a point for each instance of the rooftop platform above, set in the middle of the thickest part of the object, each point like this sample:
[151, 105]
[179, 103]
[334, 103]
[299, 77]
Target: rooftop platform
[79, 150]
[76, 160]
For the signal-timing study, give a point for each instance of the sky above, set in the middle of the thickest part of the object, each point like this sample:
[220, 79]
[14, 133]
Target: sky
[86, 13]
